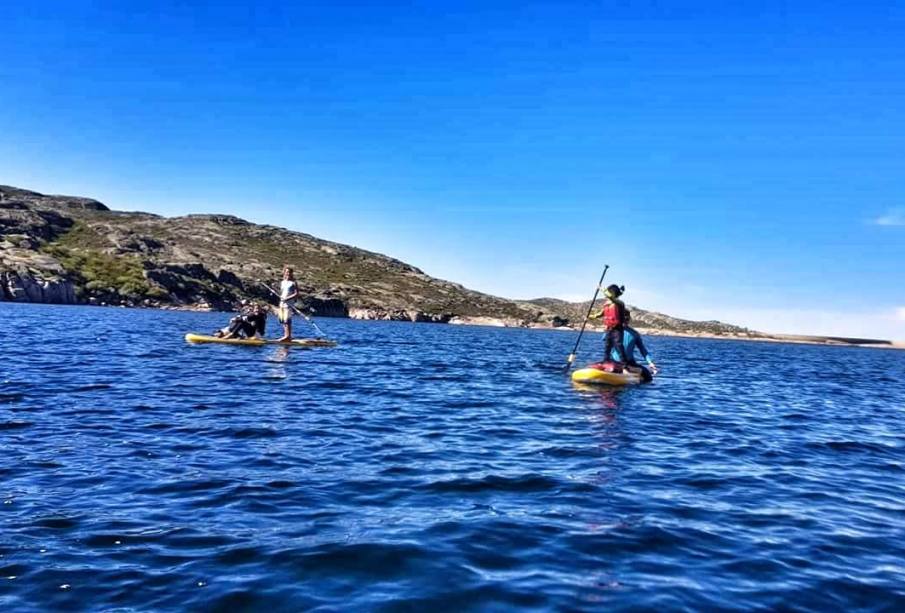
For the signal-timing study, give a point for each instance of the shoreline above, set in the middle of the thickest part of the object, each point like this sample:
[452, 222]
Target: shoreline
[496, 322]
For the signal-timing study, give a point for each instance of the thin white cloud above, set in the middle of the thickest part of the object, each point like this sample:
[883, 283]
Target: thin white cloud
[900, 313]
[893, 217]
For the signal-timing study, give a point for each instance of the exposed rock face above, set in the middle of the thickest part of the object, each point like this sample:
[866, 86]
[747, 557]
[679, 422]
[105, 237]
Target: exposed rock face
[413, 315]
[23, 287]
[324, 306]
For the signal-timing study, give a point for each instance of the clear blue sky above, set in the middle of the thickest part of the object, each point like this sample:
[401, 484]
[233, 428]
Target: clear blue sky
[740, 161]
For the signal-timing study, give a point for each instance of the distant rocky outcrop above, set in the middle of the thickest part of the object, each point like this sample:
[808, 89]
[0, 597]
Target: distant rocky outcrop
[651, 321]
[69, 250]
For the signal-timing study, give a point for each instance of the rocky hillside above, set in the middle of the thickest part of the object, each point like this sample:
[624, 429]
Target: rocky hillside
[67, 250]
[647, 320]
[62, 249]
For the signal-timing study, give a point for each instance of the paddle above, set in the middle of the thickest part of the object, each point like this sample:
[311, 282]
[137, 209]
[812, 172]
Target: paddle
[585, 322]
[308, 319]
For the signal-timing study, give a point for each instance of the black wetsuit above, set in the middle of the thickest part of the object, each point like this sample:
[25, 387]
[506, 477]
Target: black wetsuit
[247, 325]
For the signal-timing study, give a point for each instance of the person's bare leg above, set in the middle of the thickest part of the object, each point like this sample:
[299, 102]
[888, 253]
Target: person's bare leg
[287, 332]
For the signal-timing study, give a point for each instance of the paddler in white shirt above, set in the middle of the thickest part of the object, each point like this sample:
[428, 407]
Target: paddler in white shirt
[289, 291]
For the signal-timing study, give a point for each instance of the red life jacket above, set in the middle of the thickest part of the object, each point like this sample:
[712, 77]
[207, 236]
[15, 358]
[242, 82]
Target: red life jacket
[611, 316]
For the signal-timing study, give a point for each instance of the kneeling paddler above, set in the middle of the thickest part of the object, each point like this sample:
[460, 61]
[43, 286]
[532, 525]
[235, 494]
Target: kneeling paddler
[631, 340]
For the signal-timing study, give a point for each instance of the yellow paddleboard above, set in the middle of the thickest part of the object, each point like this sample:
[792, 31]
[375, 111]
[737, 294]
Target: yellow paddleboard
[594, 376]
[260, 342]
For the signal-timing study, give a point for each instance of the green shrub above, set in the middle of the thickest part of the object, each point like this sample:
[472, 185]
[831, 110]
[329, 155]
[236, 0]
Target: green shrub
[99, 271]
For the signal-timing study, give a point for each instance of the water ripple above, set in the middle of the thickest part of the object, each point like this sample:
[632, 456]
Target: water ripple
[423, 467]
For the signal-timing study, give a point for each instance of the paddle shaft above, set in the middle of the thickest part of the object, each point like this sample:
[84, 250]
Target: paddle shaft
[294, 308]
[585, 322]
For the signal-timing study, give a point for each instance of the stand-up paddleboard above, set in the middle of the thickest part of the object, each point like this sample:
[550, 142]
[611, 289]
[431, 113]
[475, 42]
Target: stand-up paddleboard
[595, 374]
[260, 342]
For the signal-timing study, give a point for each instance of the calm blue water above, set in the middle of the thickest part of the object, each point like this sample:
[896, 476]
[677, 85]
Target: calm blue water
[437, 467]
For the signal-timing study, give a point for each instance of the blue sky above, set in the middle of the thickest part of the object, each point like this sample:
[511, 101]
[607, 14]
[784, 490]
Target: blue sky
[742, 162]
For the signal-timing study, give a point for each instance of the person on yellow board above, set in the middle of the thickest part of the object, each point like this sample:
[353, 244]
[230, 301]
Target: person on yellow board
[613, 315]
[251, 322]
[631, 340]
[289, 291]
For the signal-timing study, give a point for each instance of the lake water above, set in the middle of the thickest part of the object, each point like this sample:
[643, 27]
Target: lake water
[430, 467]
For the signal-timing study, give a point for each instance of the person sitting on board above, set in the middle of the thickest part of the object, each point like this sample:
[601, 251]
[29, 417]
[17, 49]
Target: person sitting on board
[250, 323]
[289, 291]
[613, 315]
[631, 340]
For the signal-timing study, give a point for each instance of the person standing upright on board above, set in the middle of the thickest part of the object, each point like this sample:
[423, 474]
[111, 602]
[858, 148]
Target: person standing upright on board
[613, 315]
[289, 291]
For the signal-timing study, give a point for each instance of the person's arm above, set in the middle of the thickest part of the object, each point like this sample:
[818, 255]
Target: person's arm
[599, 314]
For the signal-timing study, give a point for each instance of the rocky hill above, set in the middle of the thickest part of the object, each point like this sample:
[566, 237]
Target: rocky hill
[68, 250]
[650, 321]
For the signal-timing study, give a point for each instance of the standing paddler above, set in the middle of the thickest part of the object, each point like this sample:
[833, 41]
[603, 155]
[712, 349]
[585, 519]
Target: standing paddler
[613, 315]
[289, 291]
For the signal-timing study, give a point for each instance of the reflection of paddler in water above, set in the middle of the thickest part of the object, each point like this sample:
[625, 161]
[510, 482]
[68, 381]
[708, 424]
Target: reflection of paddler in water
[608, 396]
[277, 362]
